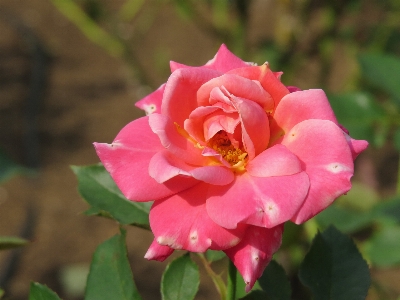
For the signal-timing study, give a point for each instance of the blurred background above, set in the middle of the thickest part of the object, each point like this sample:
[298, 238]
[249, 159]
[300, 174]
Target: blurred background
[71, 71]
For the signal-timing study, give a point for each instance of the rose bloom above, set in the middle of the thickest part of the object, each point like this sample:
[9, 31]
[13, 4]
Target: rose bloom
[229, 154]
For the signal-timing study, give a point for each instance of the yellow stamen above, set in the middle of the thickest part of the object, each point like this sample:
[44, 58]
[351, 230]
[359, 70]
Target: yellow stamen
[222, 144]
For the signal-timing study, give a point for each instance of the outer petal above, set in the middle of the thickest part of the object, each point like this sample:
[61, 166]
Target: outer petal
[152, 102]
[275, 161]
[180, 95]
[267, 78]
[260, 201]
[252, 255]
[164, 166]
[223, 61]
[299, 106]
[322, 148]
[158, 252]
[127, 160]
[356, 146]
[182, 222]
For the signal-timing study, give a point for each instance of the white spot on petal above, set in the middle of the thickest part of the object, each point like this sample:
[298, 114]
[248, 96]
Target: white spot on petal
[271, 210]
[149, 108]
[193, 237]
[337, 168]
[168, 241]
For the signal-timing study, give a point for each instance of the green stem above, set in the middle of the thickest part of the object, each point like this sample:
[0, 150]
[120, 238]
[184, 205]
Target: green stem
[218, 282]
[231, 281]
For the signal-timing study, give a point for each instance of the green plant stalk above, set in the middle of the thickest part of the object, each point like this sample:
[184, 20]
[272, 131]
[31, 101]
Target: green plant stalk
[218, 282]
[232, 272]
[89, 28]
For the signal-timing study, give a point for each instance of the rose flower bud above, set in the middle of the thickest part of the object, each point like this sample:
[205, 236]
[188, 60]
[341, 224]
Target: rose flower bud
[229, 154]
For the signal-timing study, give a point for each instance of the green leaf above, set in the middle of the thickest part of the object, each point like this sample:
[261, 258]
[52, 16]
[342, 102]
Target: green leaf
[256, 295]
[8, 242]
[1, 293]
[213, 255]
[383, 249]
[344, 219]
[41, 292]
[180, 280]
[358, 112]
[110, 275]
[98, 189]
[334, 268]
[275, 282]
[383, 71]
[8, 168]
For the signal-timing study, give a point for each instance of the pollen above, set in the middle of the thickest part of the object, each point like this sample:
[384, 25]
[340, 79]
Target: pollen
[222, 144]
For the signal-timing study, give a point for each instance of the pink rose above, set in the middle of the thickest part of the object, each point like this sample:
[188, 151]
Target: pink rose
[229, 154]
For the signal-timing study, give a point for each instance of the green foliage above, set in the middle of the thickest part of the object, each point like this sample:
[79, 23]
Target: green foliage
[213, 255]
[275, 283]
[110, 274]
[334, 268]
[180, 280]
[9, 242]
[384, 247]
[99, 190]
[41, 292]
[382, 70]
[358, 112]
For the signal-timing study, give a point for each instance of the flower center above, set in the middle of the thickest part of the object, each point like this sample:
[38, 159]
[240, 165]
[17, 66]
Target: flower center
[222, 144]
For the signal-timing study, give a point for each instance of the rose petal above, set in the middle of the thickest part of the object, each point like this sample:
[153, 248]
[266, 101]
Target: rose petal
[322, 148]
[267, 79]
[254, 252]
[158, 252]
[152, 102]
[183, 147]
[260, 201]
[181, 222]
[223, 61]
[255, 126]
[356, 146]
[180, 95]
[164, 166]
[237, 86]
[127, 160]
[299, 106]
[275, 161]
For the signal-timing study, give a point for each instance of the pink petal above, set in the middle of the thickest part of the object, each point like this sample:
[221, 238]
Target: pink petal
[158, 252]
[299, 106]
[260, 201]
[181, 222]
[225, 61]
[127, 160]
[254, 252]
[255, 126]
[182, 147]
[275, 161]
[152, 102]
[180, 95]
[356, 146]
[322, 148]
[164, 166]
[267, 79]
[237, 86]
